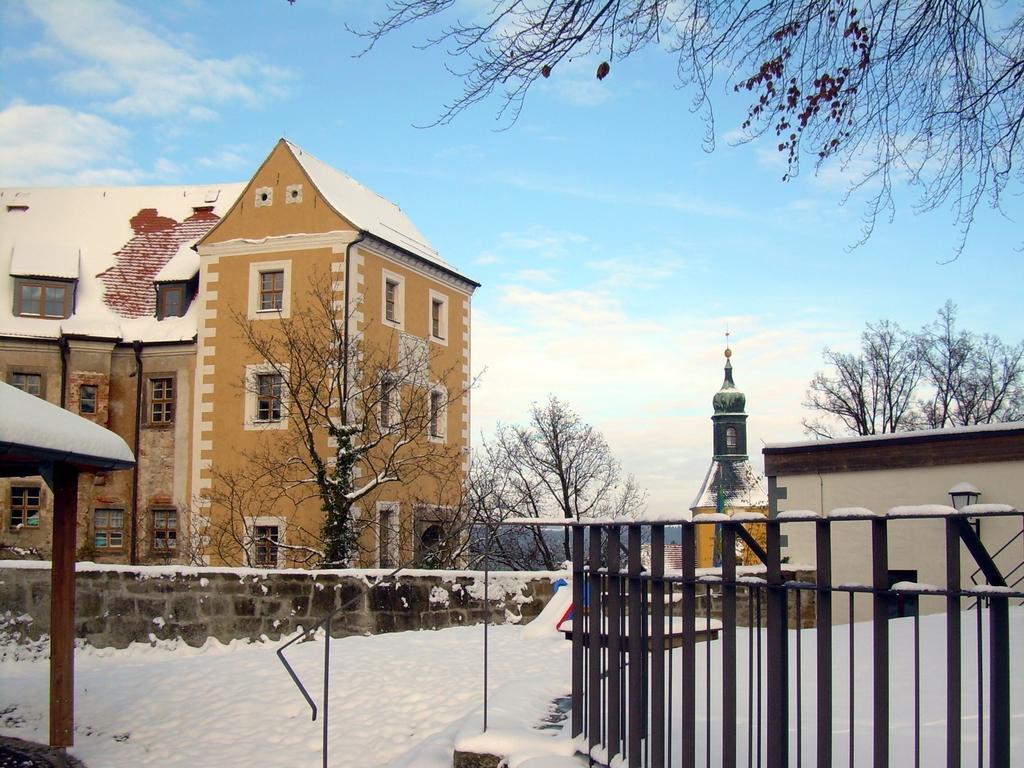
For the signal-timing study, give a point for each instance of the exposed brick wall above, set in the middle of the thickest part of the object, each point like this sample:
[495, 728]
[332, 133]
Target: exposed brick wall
[117, 607]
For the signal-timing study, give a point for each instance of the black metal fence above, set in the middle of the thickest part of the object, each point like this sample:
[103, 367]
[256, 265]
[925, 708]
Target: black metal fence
[646, 691]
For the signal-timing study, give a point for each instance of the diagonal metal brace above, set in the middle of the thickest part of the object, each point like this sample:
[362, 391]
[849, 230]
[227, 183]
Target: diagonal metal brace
[981, 556]
[752, 543]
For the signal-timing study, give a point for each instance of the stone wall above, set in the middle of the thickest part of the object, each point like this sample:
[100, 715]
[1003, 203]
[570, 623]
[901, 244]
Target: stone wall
[118, 605]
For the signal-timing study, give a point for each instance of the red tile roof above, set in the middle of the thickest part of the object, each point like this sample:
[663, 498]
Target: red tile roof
[128, 285]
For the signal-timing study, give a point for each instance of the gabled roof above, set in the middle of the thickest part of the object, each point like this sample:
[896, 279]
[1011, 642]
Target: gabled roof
[365, 208]
[742, 484]
[115, 241]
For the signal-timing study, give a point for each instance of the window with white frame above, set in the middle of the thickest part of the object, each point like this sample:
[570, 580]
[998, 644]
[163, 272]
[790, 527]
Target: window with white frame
[165, 529]
[388, 401]
[437, 414]
[266, 397]
[25, 503]
[108, 528]
[270, 289]
[266, 539]
[438, 317]
[388, 531]
[392, 299]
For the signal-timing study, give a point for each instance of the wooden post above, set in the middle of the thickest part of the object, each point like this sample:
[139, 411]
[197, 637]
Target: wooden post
[62, 606]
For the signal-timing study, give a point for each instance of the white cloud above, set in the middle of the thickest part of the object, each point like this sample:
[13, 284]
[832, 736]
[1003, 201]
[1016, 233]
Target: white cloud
[52, 145]
[534, 276]
[140, 72]
[645, 382]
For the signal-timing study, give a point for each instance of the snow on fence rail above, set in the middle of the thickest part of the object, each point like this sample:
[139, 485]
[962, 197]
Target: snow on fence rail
[119, 605]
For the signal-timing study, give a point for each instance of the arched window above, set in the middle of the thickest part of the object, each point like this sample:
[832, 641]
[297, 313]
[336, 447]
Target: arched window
[730, 437]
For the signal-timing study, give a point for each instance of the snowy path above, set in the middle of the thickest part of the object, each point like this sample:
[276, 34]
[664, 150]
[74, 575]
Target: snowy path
[226, 706]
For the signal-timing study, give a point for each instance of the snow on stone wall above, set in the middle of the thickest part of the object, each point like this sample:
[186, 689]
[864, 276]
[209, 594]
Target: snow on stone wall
[119, 605]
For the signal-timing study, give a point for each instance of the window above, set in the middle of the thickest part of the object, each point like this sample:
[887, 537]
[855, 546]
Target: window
[28, 382]
[393, 298]
[170, 300]
[268, 396]
[165, 530]
[87, 398]
[108, 528]
[436, 414]
[387, 535]
[387, 401]
[24, 506]
[161, 400]
[42, 298]
[265, 540]
[438, 317]
[271, 291]
[731, 437]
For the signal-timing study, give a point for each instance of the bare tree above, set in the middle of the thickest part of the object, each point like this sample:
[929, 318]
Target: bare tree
[556, 465]
[972, 379]
[360, 417]
[932, 93]
[939, 377]
[871, 392]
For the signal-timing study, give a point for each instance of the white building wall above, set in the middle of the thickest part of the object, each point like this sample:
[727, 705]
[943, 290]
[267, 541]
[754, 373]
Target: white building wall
[913, 544]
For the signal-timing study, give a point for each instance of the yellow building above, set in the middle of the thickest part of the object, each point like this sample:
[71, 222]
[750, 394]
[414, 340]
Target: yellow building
[731, 484]
[162, 313]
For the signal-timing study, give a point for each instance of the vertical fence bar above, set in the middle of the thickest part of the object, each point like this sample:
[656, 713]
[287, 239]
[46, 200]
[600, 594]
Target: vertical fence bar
[688, 651]
[999, 683]
[880, 633]
[708, 610]
[577, 631]
[917, 689]
[799, 681]
[636, 650]
[614, 669]
[953, 677]
[853, 682]
[778, 654]
[728, 645]
[657, 727]
[327, 684]
[752, 629]
[823, 638]
[979, 638]
[594, 649]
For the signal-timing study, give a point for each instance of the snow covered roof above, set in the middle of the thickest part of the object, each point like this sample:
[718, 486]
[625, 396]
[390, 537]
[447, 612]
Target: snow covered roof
[32, 429]
[115, 241]
[743, 486]
[919, 434]
[184, 265]
[365, 208]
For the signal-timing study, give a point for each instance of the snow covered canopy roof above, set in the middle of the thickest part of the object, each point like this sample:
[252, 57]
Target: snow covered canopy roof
[365, 208]
[34, 431]
[115, 241]
[741, 484]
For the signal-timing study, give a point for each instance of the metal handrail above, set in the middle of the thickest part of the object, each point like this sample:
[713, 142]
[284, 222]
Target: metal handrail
[308, 634]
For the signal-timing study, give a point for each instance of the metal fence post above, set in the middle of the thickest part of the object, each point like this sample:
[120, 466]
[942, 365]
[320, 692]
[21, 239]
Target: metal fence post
[596, 625]
[577, 631]
[688, 651]
[634, 732]
[728, 644]
[953, 677]
[999, 683]
[880, 631]
[823, 636]
[658, 646]
[778, 654]
[614, 669]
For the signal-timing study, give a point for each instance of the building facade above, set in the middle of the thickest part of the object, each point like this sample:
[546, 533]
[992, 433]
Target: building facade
[731, 484]
[144, 310]
[881, 472]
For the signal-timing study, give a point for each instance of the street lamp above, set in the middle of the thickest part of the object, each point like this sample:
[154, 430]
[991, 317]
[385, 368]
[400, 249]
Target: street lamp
[963, 494]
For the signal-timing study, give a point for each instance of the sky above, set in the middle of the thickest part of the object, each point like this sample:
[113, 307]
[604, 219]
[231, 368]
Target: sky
[613, 250]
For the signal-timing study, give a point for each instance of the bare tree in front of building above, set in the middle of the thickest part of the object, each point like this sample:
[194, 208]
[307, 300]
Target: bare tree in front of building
[359, 416]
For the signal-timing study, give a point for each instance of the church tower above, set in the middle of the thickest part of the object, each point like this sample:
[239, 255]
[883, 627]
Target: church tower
[731, 484]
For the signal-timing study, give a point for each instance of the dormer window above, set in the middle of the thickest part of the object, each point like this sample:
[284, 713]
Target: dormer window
[38, 297]
[171, 300]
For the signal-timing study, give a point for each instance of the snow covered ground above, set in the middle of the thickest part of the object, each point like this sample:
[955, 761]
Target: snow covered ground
[406, 699]
[235, 706]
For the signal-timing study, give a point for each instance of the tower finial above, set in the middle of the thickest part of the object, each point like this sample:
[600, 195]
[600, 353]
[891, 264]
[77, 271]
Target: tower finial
[728, 352]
